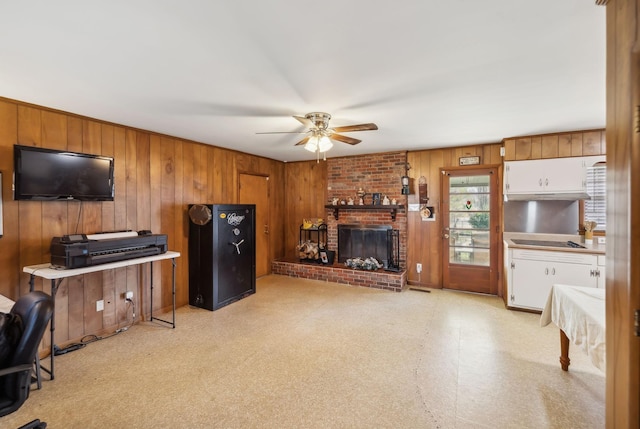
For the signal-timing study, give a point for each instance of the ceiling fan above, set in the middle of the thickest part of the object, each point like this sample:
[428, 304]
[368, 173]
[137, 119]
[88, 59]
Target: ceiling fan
[320, 135]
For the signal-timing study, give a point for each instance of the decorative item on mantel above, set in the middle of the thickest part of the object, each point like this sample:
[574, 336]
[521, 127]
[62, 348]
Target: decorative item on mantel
[375, 198]
[369, 264]
[361, 194]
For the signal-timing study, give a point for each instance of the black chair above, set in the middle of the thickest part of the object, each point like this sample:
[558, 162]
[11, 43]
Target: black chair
[35, 310]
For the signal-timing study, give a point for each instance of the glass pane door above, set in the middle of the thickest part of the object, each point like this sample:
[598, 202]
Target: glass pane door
[469, 220]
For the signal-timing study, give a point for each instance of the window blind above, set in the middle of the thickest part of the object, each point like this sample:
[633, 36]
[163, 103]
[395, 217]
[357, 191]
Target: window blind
[595, 209]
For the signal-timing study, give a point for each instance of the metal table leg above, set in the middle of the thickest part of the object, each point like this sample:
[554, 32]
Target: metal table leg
[173, 291]
[52, 328]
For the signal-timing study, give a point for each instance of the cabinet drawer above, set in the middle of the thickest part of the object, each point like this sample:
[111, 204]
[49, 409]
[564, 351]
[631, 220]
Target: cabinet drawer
[543, 255]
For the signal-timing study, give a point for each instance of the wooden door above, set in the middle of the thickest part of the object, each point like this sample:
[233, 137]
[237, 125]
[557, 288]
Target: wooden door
[470, 229]
[254, 189]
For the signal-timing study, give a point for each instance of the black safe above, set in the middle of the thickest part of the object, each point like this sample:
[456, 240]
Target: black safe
[222, 254]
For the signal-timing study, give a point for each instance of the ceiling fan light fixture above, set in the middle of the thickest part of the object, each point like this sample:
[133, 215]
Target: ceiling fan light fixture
[318, 143]
[324, 144]
[312, 144]
[320, 137]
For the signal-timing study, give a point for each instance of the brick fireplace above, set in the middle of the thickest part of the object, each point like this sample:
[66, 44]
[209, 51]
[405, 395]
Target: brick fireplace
[379, 173]
[376, 173]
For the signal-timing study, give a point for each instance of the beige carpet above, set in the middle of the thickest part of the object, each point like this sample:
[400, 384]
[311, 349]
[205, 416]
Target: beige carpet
[311, 354]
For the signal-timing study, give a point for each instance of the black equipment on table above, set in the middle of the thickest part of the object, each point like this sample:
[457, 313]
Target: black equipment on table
[86, 251]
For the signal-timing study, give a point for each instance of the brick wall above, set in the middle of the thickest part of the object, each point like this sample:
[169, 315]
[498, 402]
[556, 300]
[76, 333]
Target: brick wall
[374, 279]
[373, 173]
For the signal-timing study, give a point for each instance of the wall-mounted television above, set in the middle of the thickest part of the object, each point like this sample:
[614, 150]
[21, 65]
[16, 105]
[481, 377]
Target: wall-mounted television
[48, 174]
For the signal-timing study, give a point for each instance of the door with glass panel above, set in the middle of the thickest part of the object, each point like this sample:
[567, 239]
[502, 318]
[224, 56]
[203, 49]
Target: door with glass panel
[470, 229]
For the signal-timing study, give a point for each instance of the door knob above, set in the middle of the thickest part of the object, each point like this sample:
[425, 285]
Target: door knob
[446, 236]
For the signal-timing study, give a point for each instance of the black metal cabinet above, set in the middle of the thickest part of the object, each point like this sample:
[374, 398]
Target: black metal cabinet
[222, 254]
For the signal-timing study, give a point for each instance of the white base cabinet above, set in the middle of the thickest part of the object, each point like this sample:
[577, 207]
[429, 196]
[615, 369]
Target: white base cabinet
[602, 278]
[531, 273]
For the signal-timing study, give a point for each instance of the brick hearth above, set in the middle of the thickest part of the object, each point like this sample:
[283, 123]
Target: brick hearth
[338, 273]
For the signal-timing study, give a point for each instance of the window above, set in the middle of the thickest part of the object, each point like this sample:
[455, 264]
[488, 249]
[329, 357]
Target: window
[595, 209]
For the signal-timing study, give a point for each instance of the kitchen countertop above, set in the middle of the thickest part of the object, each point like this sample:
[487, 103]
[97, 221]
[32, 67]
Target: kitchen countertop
[593, 249]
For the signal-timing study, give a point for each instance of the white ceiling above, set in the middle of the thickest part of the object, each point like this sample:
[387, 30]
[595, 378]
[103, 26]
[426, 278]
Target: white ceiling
[429, 73]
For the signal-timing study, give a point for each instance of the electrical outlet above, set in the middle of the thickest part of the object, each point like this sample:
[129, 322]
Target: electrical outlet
[419, 268]
[100, 305]
[602, 240]
[128, 294]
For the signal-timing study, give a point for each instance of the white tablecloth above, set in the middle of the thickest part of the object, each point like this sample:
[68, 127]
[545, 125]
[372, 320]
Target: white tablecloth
[5, 304]
[580, 313]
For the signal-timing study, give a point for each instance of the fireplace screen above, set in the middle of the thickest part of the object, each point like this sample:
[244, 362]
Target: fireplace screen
[393, 249]
[364, 241]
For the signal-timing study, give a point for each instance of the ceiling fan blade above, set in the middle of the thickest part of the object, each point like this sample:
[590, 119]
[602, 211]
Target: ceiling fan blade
[344, 139]
[359, 127]
[303, 141]
[305, 121]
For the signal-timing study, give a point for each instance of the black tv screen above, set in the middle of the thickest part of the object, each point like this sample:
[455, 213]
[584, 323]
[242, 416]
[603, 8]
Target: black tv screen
[47, 174]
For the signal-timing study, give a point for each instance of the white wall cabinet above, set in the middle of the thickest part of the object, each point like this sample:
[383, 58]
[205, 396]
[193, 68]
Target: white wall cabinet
[532, 273]
[547, 176]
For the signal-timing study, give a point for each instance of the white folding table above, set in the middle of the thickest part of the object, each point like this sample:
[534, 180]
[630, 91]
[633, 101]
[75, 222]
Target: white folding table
[56, 275]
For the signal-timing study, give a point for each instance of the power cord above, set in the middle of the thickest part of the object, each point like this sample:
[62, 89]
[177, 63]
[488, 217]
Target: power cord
[87, 339]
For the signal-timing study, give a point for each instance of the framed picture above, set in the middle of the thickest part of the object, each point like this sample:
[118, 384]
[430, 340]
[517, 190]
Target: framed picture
[323, 257]
[469, 160]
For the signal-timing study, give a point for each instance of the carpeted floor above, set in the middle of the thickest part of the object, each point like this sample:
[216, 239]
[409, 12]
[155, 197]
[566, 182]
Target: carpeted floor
[311, 354]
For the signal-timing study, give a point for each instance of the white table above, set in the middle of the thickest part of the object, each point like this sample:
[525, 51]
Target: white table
[579, 312]
[56, 275]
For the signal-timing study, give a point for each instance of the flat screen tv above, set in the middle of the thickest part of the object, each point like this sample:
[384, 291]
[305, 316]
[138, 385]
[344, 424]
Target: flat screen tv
[47, 174]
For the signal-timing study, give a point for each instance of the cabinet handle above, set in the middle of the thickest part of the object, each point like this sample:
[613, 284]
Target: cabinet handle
[540, 182]
[546, 182]
[546, 271]
[553, 271]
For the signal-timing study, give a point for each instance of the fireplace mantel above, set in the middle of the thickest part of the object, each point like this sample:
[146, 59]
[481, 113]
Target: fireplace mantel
[393, 209]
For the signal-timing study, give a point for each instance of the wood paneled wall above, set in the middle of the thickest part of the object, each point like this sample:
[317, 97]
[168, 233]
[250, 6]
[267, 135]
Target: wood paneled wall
[156, 176]
[623, 213]
[424, 238]
[305, 197]
[558, 145]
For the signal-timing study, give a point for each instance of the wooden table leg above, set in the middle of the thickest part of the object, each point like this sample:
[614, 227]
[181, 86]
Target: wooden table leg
[564, 351]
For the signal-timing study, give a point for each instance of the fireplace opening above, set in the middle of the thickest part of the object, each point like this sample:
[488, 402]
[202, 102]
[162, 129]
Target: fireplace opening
[364, 241]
